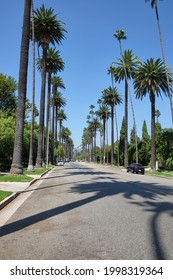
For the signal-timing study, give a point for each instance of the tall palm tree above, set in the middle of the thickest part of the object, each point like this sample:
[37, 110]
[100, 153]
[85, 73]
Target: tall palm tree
[54, 63]
[17, 167]
[61, 116]
[93, 126]
[111, 71]
[111, 97]
[31, 160]
[47, 30]
[65, 135]
[132, 63]
[150, 77]
[154, 5]
[104, 114]
[57, 82]
[60, 102]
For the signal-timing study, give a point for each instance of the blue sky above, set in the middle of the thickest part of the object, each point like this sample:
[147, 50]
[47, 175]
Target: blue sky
[90, 48]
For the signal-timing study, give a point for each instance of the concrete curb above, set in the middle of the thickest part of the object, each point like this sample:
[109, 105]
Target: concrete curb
[10, 198]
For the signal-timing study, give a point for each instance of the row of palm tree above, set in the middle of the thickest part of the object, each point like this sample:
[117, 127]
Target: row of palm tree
[44, 29]
[150, 78]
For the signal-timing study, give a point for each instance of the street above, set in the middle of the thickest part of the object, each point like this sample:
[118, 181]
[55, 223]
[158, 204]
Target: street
[84, 211]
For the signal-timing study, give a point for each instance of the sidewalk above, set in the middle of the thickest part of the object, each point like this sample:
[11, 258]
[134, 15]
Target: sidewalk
[16, 188]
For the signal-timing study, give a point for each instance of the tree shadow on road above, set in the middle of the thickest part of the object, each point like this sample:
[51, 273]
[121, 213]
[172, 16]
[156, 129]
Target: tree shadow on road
[99, 189]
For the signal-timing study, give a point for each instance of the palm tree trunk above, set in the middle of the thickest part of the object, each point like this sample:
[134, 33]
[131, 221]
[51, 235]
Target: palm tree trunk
[126, 125]
[104, 133]
[48, 119]
[31, 160]
[118, 153]
[40, 149]
[53, 131]
[112, 134]
[17, 167]
[164, 60]
[153, 144]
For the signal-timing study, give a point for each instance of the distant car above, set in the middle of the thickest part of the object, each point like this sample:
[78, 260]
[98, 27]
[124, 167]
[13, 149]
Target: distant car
[136, 168]
[60, 163]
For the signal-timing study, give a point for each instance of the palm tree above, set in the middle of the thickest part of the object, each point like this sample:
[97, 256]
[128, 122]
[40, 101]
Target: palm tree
[31, 161]
[128, 63]
[150, 77]
[65, 135]
[61, 116]
[54, 64]
[157, 114]
[111, 98]
[47, 30]
[59, 102]
[57, 82]
[17, 167]
[104, 114]
[93, 126]
[111, 71]
[154, 5]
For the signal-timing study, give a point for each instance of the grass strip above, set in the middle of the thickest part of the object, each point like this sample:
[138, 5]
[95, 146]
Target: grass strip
[15, 178]
[4, 194]
[161, 173]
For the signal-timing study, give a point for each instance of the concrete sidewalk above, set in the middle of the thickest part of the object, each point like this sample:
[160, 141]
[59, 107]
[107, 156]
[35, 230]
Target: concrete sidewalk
[17, 188]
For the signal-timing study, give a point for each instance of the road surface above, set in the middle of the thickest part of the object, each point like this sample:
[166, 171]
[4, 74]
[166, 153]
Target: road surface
[84, 211]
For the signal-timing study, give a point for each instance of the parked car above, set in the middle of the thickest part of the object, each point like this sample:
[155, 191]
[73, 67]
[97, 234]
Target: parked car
[60, 163]
[136, 168]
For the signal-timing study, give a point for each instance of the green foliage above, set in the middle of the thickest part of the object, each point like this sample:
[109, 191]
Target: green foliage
[8, 101]
[166, 147]
[144, 146]
[122, 139]
[7, 131]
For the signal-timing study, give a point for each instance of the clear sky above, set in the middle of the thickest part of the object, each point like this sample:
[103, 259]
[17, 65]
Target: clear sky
[90, 48]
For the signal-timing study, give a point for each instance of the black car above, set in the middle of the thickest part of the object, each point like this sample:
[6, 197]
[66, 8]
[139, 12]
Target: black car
[136, 168]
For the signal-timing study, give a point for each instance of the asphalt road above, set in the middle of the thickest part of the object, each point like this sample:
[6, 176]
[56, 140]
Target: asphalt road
[81, 211]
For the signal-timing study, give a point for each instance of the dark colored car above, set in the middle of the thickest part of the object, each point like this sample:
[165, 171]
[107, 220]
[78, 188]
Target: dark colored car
[136, 168]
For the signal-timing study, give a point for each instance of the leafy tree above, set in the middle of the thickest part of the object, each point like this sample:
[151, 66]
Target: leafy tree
[158, 134]
[167, 147]
[7, 132]
[132, 146]
[8, 100]
[145, 146]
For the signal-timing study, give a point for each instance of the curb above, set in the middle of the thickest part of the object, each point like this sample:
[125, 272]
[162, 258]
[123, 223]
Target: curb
[10, 198]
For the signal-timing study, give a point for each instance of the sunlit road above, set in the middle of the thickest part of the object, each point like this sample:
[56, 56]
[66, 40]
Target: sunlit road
[82, 211]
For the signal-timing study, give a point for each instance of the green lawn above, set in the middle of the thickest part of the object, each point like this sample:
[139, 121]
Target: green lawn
[161, 173]
[15, 178]
[6, 177]
[38, 171]
[4, 194]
